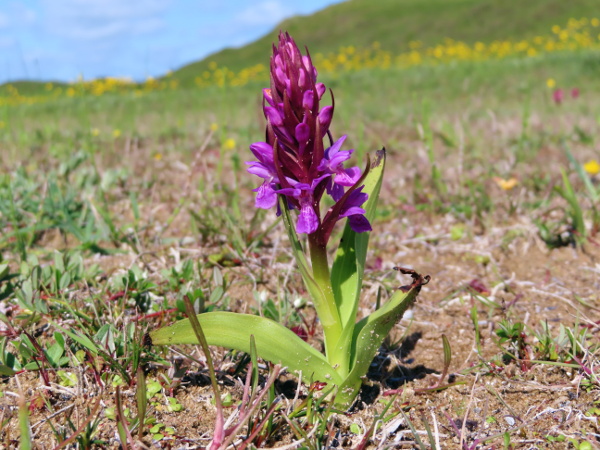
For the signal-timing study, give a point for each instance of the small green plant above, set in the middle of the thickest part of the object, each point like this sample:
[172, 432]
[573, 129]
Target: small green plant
[514, 335]
[297, 170]
[571, 229]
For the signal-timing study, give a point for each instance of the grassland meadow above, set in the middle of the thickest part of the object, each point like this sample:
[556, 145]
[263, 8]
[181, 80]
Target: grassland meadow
[130, 219]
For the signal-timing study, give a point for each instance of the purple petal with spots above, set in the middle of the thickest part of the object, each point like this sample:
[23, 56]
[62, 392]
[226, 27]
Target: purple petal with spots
[335, 190]
[308, 222]
[347, 177]
[266, 196]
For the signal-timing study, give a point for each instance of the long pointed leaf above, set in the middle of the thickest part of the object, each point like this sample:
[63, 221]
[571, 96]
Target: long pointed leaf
[349, 264]
[569, 195]
[592, 191]
[273, 341]
[370, 332]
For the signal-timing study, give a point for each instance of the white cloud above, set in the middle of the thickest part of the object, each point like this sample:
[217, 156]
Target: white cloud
[268, 12]
[93, 20]
[3, 20]
[15, 15]
[7, 42]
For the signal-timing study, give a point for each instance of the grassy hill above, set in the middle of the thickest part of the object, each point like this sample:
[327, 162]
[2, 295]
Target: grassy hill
[394, 23]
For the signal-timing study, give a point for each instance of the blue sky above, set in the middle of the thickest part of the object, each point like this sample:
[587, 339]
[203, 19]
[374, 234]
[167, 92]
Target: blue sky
[62, 39]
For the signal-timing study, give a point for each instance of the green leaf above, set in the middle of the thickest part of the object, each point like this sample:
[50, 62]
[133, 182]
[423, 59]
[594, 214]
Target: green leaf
[54, 353]
[592, 192]
[81, 339]
[349, 265]
[273, 341]
[24, 425]
[370, 332]
[4, 271]
[568, 193]
[6, 371]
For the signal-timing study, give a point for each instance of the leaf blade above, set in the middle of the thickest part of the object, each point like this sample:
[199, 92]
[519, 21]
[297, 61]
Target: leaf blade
[349, 264]
[370, 332]
[273, 341]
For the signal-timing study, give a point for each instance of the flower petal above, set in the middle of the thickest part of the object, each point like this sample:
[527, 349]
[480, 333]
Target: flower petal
[307, 99]
[347, 177]
[308, 222]
[359, 223]
[274, 116]
[324, 117]
[263, 152]
[266, 197]
[260, 170]
[302, 132]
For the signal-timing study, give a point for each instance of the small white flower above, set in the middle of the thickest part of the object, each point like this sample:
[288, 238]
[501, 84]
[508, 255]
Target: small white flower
[299, 302]
[263, 296]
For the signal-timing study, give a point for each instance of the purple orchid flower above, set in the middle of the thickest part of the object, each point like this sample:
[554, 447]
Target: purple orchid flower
[355, 214]
[294, 161]
[266, 196]
[308, 219]
[333, 163]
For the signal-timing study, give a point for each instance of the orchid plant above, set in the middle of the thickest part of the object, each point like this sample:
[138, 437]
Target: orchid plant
[299, 163]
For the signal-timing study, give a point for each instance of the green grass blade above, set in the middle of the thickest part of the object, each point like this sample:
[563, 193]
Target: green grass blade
[571, 197]
[24, 425]
[141, 400]
[592, 192]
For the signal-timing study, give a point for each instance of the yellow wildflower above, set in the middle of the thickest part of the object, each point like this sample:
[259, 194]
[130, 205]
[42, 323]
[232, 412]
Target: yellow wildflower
[592, 167]
[116, 133]
[229, 144]
[506, 185]
[214, 127]
[95, 131]
[158, 156]
[550, 83]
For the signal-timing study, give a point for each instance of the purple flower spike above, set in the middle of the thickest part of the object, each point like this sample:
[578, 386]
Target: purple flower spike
[295, 162]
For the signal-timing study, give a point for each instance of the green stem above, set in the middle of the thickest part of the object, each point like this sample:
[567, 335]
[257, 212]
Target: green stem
[328, 312]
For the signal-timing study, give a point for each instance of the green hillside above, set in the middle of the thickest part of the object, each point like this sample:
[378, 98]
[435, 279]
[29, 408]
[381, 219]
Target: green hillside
[394, 23]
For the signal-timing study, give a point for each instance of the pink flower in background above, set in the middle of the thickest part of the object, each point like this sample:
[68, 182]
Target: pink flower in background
[558, 95]
[574, 93]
